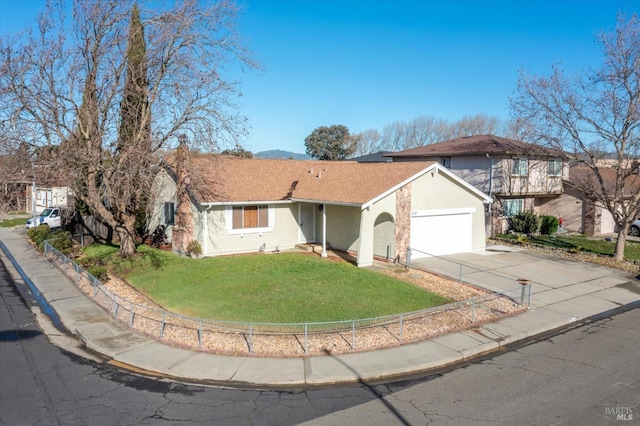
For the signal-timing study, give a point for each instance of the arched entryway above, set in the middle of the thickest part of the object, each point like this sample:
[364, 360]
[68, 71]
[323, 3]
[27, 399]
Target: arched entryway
[384, 236]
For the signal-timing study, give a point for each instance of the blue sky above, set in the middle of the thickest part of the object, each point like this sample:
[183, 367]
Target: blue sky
[366, 64]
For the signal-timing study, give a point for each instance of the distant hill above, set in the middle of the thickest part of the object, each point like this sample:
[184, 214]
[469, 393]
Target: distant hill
[276, 153]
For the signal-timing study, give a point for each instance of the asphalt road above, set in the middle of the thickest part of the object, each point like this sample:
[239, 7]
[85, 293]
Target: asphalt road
[583, 376]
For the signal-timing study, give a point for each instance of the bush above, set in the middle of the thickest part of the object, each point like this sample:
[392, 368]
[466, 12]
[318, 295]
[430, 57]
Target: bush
[159, 237]
[39, 234]
[98, 272]
[549, 225]
[60, 240]
[526, 223]
[194, 248]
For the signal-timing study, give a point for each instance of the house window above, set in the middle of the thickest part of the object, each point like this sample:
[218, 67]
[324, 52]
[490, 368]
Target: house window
[246, 217]
[169, 213]
[555, 167]
[520, 167]
[446, 162]
[512, 207]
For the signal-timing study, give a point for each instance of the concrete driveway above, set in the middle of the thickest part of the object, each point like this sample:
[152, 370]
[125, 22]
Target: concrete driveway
[502, 270]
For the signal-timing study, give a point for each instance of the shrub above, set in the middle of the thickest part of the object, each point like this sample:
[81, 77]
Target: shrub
[60, 240]
[526, 223]
[194, 248]
[159, 237]
[549, 225]
[98, 272]
[39, 234]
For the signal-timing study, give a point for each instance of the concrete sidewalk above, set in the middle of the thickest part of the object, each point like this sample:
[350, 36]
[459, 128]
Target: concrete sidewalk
[564, 292]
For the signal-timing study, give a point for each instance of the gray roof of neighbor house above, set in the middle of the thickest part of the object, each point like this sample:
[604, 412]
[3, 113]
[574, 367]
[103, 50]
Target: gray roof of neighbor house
[376, 157]
[228, 179]
[478, 145]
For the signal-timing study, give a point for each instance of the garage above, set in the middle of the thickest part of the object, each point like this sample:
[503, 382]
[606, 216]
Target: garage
[441, 232]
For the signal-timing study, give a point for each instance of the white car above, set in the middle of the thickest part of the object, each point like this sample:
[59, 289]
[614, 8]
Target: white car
[634, 229]
[49, 216]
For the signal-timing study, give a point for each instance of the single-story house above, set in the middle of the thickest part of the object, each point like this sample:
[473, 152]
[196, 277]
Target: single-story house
[372, 210]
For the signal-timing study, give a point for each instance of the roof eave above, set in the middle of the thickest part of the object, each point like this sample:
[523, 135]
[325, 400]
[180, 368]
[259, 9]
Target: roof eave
[329, 202]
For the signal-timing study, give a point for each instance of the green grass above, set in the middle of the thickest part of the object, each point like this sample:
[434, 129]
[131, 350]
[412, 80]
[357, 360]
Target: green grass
[9, 223]
[287, 287]
[576, 243]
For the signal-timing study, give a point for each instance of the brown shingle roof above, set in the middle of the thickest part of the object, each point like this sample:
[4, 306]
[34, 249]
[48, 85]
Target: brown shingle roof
[231, 179]
[477, 145]
[585, 179]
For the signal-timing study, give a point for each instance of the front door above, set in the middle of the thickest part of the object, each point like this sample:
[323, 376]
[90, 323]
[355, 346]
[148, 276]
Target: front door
[307, 223]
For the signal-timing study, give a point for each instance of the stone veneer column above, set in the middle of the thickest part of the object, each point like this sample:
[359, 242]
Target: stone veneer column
[403, 222]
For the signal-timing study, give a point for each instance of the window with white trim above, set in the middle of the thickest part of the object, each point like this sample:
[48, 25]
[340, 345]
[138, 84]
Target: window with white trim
[248, 218]
[520, 167]
[554, 167]
[512, 207]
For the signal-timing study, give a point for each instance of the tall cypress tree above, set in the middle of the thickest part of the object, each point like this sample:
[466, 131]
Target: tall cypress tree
[135, 117]
[134, 151]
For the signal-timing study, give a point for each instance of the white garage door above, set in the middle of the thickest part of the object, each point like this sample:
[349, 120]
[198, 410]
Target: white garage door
[438, 232]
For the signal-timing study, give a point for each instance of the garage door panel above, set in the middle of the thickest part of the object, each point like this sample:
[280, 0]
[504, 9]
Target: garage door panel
[440, 234]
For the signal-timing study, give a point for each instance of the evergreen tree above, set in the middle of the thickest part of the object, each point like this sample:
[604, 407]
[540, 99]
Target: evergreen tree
[135, 116]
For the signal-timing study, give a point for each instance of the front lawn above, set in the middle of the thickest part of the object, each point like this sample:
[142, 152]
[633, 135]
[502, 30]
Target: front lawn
[286, 287]
[578, 243]
[10, 223]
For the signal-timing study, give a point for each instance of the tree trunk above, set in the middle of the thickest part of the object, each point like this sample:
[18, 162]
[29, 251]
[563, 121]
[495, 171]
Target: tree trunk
[127, 242]
[618, 254]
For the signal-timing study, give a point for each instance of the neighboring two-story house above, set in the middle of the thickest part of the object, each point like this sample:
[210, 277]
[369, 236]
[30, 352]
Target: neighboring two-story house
[517, 175]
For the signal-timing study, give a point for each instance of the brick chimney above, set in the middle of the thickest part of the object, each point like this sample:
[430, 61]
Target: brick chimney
[183, 232]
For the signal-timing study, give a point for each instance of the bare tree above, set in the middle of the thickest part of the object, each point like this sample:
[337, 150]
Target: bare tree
[368, 142]
[594, 116]
[479, 124]
[425, 130]
[65, 85]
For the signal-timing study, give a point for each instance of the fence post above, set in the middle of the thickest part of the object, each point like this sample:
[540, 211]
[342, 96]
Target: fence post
[250, 338]
[163, 323]
[94, 282]
[408, 257]
[115, 305]
[353, 334]
[473, 310]
[401, 327]
[200, 333]
[461, 273]
[131, 314]
[306, 341]
[530, 291]
[526, 286]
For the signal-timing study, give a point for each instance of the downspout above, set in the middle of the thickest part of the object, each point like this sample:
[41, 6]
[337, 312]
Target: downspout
[324, 230]
[490, 176]
[205, 231]
[489, 206]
